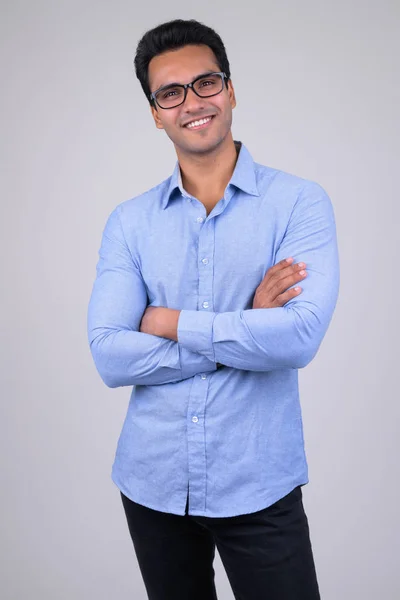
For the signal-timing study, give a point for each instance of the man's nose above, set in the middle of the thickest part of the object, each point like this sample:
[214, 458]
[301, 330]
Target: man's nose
[193, 101]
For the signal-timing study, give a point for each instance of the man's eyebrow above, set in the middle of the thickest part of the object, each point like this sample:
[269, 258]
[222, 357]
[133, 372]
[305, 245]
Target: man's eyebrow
[180, 83]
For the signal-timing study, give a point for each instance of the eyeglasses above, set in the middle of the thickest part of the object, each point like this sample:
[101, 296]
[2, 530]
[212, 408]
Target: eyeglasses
[204, 86]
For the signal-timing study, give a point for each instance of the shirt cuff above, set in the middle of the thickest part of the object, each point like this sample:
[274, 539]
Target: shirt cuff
[195, 331]
[193, 363]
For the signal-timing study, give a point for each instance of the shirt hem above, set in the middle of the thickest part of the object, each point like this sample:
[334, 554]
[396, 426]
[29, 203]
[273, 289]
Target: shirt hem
[265, 503]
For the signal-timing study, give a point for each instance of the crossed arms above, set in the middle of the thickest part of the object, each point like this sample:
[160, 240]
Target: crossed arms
[260, 339]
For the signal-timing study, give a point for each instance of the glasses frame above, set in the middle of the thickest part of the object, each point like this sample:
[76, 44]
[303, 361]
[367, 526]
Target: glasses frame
[186, 86]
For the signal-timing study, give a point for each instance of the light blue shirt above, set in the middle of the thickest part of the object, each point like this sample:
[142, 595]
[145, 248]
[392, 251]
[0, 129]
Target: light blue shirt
[234, 435]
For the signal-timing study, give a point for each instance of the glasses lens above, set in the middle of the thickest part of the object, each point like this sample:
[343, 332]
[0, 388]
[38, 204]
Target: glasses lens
[170, 96]
[209, 85]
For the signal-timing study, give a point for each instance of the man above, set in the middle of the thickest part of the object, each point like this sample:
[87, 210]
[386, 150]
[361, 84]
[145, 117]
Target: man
[197, 305]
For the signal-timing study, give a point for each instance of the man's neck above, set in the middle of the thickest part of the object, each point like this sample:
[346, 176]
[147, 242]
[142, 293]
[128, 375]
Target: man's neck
[206, 177]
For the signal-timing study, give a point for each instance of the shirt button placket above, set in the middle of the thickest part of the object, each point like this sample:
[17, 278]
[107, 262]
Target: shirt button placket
[205, 266]
[199, 389]
[196, 443]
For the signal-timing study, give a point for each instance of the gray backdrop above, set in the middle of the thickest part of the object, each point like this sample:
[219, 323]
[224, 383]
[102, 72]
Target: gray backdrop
[317, 85]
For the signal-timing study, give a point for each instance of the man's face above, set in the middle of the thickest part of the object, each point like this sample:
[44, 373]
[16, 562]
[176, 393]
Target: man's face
[183, 66]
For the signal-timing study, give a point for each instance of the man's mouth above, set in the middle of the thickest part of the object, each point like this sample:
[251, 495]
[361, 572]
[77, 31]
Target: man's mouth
[200, 123]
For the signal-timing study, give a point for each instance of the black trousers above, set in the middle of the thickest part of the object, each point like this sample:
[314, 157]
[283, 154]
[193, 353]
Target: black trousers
[267, 555]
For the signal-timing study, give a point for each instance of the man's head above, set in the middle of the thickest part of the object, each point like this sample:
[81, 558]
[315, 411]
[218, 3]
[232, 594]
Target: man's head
[178, 52]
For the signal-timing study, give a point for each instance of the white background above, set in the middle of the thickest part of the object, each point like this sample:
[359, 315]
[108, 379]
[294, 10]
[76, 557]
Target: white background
[317, 87]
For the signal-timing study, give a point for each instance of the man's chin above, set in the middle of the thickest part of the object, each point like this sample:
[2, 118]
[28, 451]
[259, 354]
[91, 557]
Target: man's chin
[198, 147]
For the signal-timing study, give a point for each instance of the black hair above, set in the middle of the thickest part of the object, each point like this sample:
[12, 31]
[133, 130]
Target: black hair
[171, 36]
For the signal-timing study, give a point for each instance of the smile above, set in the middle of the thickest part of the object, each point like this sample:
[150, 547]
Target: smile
[200, 124]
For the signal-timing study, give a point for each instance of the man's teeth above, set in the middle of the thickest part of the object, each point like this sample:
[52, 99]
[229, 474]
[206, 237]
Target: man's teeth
[197, 123]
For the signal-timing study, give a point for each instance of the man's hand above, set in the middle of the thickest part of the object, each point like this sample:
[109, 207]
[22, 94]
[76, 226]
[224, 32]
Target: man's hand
[271, 292]
[160, 321]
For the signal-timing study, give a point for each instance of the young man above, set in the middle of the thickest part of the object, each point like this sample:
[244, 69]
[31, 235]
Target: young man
[197, 305]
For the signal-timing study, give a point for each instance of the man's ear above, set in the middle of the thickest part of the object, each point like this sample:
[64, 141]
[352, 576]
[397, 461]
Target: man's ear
[156, 118]
[231, 93]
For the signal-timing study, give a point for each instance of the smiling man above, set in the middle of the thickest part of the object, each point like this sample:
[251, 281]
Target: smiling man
[196, 304]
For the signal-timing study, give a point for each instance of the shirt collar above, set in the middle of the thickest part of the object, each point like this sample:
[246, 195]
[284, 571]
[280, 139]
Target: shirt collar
[243, 176]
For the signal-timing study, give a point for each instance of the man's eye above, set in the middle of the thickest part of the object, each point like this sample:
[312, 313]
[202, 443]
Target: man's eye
[208, 81]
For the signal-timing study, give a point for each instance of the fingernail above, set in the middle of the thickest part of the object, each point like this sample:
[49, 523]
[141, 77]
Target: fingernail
[289, 259]
[301, 265]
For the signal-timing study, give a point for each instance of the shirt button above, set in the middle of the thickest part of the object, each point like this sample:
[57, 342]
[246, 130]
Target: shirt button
[205, 261]
[195, 419]
[203, 376]
[199, 219]
[205, 305]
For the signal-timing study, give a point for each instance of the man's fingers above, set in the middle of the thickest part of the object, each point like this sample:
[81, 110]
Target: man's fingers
[282, 264]
[285, 282]
[286, 296]
[274, 288]
[277, 282]
[283, 268]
